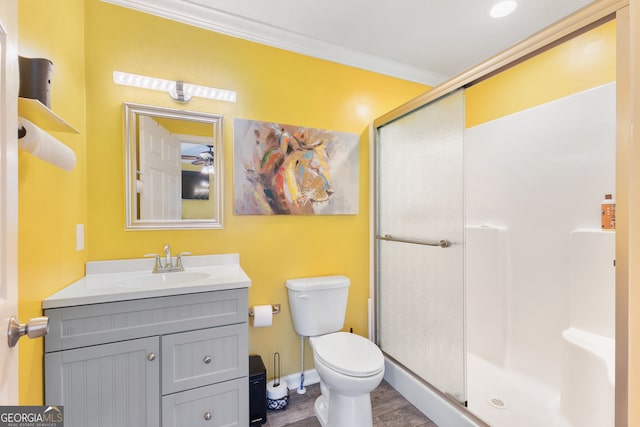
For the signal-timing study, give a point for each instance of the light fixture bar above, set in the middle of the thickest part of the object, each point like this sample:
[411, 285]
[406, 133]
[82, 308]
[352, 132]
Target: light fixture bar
[173, 87]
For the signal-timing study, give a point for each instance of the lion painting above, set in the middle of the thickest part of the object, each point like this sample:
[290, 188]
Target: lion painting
[284, 169]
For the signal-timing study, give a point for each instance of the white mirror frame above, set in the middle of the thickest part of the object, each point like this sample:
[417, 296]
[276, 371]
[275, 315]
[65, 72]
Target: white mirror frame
[131, 112]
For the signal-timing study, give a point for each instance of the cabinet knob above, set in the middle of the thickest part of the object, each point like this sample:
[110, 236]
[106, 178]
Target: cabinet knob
[151, 357]
[207, 359]
[207, 416]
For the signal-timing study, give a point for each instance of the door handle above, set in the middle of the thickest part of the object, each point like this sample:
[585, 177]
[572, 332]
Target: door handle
[442, 243]
[34, 328]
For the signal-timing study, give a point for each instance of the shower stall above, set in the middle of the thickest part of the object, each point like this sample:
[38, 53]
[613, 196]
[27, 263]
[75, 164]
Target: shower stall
[494, 282]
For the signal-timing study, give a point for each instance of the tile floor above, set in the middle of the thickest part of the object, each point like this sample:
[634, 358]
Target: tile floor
[390, 409]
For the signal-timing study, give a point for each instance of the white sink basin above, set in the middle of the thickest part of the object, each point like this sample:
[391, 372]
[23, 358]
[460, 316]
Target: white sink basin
[141, 280]
[152, 280]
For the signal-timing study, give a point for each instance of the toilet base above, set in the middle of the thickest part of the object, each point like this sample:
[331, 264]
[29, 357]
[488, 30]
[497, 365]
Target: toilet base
[320, 409]
[344, 411]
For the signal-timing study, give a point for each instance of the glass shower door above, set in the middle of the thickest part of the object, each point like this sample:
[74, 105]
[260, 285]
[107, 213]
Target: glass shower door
[419, 280]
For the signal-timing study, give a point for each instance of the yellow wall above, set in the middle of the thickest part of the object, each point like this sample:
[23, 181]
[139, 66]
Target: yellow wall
[185, 127]
[51, 200]
[272, 85]
[584, 62]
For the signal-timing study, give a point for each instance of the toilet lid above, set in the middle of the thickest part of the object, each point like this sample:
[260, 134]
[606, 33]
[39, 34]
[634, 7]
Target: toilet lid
[349, 354]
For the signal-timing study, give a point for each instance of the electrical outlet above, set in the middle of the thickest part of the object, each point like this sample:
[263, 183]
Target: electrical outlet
[79, 237]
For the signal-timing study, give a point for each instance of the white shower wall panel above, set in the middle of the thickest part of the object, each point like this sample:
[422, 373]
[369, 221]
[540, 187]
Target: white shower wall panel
[592, 274]
[541, 173]
[486, 288]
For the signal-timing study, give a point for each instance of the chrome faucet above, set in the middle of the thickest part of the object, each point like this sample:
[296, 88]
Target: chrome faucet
[168, 266]
[168, 262]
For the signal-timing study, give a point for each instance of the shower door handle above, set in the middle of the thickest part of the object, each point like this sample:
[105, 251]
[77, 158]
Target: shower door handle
[442, 243]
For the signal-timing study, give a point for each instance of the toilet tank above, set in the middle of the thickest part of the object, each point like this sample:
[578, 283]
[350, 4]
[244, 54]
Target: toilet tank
[318, 304]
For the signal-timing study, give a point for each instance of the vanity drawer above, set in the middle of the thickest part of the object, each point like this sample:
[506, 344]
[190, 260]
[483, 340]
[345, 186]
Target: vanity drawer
[203, 357]
[223, 404]
[86, 325]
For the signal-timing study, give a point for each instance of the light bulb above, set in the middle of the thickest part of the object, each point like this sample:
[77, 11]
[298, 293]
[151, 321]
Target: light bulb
[503, 8]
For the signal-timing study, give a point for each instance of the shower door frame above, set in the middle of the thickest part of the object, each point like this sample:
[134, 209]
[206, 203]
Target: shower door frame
[581, 21]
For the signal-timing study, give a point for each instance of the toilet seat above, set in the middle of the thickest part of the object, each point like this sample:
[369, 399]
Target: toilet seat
[349, 354]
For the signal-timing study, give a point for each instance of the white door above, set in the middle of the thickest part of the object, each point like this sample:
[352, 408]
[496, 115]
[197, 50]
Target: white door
[8, 194]
[161, 175]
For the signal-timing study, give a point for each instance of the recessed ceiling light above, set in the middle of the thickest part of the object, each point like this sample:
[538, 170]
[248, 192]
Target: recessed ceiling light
[503, 8]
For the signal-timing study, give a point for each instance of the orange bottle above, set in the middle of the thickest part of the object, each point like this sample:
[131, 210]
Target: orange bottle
[608, 213]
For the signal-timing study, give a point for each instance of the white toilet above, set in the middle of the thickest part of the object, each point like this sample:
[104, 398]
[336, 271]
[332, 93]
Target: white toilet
[349, 366]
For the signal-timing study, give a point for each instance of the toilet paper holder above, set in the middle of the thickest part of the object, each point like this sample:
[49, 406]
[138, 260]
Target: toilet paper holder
[275, 309]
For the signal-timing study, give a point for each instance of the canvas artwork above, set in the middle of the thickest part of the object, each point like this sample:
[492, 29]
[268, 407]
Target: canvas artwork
[292, 170]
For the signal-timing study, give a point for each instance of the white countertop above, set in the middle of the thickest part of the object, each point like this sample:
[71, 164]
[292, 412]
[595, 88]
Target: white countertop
[121, 280]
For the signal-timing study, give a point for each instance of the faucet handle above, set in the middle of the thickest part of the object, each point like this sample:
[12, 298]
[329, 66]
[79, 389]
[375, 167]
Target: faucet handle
[179, 260]
[158, 263]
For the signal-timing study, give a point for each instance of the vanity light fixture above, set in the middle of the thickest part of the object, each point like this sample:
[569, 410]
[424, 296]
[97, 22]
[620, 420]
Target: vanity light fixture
[503, 8]
[178, 90]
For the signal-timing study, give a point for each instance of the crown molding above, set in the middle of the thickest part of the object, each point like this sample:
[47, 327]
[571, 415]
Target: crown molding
[199, 14]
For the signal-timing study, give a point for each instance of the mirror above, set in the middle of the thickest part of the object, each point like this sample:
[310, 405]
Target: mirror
[174, 171]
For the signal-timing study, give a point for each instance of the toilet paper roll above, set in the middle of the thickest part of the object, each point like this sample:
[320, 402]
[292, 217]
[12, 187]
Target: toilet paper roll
[45, 147]
[276, 392]
[262, 316]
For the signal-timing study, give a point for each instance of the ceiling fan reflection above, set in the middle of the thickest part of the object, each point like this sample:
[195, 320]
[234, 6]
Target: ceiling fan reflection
[205, 159]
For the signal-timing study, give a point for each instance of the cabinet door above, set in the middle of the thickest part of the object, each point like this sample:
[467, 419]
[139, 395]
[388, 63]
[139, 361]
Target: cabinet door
[224, 404]
[206, 356]
[110, 385]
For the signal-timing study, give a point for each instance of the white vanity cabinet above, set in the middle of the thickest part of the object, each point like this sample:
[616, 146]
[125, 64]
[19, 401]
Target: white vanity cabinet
[176, 360]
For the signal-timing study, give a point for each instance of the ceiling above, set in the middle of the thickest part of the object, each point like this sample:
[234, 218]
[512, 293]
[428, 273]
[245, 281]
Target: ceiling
[425, 41]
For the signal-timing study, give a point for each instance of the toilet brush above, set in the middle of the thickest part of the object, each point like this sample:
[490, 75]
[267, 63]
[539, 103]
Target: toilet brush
[301, 389]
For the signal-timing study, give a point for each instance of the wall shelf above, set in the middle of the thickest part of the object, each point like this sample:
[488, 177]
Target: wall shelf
[36, 112]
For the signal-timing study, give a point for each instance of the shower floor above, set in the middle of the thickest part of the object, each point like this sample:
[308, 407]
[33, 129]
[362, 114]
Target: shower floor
[506, 398]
